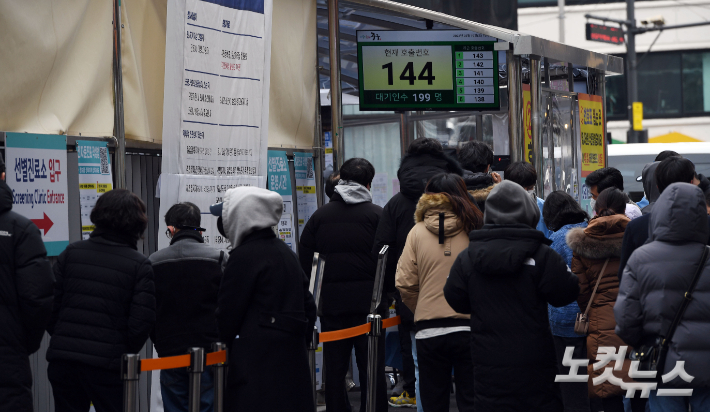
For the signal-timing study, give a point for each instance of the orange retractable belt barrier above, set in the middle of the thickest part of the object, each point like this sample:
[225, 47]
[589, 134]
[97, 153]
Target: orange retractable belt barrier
[181, 361]
[172, 362]
[356, 331]
[216, 357]
[388, 323]
[344, 333]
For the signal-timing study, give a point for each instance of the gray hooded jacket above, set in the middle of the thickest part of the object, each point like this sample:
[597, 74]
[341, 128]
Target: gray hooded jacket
[657, 276]
[247, 209]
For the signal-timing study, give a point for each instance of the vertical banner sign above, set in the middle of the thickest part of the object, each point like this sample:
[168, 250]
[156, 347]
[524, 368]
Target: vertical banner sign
[94, 179]
[591, 126]
[306, 199]
[280, 182]
[216, 102]
[36, 167]
[328, 140]
[527, 124]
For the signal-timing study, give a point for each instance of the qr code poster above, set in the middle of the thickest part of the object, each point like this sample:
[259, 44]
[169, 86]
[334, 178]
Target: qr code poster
[95, 179]
[306, 197]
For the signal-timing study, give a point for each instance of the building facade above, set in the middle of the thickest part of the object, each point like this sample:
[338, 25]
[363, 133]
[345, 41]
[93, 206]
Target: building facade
[673, 78]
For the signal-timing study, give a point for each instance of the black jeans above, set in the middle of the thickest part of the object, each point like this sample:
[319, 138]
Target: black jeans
[336, 356]
[405, 345]
[575, 395]
[76, 386]
[437, 356]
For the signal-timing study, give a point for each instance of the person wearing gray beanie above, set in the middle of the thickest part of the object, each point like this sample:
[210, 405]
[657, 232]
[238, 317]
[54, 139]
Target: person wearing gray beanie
[510, 204]
[505, 281]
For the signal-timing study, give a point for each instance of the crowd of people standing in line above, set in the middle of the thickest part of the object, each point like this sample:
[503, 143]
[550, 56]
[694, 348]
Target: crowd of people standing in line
[488, 279]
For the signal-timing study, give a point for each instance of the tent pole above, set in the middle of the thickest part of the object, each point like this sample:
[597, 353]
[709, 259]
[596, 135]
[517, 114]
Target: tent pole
[118, 124]
[336, 97]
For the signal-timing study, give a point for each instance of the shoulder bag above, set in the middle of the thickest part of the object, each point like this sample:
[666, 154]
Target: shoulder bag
[581, 324]
[651, 354]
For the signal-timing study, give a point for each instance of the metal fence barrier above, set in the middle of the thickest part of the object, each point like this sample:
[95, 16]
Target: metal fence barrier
[195, 362]
[374, 326]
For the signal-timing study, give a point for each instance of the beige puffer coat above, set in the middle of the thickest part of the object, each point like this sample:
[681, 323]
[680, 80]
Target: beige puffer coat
[425, 263]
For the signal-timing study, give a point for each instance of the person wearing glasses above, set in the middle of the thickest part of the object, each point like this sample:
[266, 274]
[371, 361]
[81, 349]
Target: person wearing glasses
[187, 277]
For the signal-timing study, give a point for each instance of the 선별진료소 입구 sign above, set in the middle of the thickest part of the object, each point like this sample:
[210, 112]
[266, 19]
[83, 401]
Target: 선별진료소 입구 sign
[36, 172]
[427, 70]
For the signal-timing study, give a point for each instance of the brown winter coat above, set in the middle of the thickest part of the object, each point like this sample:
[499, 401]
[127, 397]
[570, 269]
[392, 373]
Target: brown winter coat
[592, 246]
[425, 264]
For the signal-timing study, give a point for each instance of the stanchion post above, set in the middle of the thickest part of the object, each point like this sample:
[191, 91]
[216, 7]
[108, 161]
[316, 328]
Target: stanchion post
[312, 361]
[130, 374]
[314, 287]
[375, 333]
[218, 373]
[197, 366]
[372, 355]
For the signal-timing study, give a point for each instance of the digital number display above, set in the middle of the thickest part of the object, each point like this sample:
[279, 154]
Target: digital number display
[437, 75]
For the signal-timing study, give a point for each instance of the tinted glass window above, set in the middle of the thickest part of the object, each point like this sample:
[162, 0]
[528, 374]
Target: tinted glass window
[670, 84]
[696, 82]
[616, 97]
[659, 84]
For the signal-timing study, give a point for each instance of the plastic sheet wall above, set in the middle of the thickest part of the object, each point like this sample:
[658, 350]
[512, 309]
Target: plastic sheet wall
[56, 69]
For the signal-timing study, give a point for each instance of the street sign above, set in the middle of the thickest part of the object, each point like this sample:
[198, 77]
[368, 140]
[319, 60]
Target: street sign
[36, 173]
[427, 70]
[605, 34]
[637, 111]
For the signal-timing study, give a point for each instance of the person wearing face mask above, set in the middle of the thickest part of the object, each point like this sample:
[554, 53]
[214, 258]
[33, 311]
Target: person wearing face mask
[524, 174]
[596, 251]
[605, 178]
[344, 232]
[187, 277]
[265, 313]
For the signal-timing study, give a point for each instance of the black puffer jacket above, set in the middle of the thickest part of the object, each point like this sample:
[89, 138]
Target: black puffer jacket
[104, 301]
[505, 279]
[26, 294]
[398, 215]
[479, 186]
[344, 233]
[264, 299]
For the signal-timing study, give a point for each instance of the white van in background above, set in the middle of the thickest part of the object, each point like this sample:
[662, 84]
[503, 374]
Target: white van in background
[631, 158]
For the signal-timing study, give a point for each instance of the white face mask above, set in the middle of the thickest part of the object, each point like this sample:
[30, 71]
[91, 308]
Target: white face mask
[592, 203]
